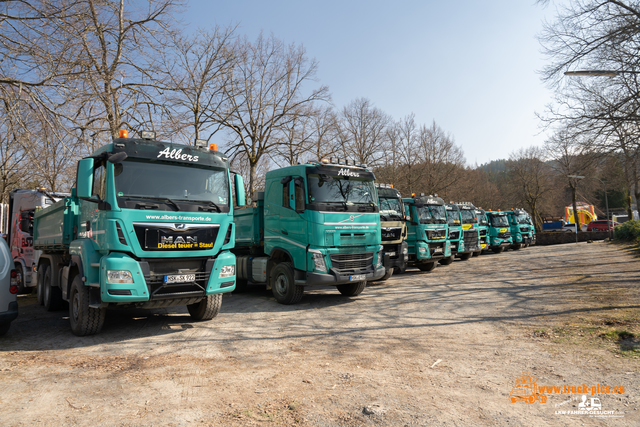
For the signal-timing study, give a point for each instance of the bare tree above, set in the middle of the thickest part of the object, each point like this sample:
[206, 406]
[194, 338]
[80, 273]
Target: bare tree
[363, 132]
[266, 90]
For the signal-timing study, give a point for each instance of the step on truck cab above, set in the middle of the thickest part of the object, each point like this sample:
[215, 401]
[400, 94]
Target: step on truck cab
[22, 207]
[393, 230]
[470, 230]
[483, 229]
[149, 224]
[499, 232]
[314, 224]
[519, 223]
[427, 232]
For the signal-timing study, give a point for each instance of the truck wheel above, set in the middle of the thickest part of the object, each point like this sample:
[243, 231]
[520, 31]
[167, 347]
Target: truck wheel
[388, 273]
[352, 289]
[497, 250]
[39, 284]
[427, 266]
[476, 253]
[283, 285]
[21, 278]
[52, 298]
[4, 328]
[207, 308]
[465, 257]
[84, 319]
[516, 247]
[446, 261]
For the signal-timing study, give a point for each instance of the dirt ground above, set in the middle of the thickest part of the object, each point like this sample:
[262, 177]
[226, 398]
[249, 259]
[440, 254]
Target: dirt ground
[422, 349]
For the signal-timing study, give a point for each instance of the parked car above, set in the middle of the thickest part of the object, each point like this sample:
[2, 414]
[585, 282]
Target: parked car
[571, 226]
[601, 225]
[8, 288]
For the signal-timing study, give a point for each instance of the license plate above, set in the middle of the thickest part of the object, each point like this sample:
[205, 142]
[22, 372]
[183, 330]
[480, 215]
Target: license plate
[180, 278]
[391, 253]
[357, 277]
[437, 251]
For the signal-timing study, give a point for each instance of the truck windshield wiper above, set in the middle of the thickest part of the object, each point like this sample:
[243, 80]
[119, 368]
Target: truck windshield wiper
[211, 206]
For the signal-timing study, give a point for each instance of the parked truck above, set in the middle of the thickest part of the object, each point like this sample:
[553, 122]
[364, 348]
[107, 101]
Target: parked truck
[520, 228]
[470, 230]
[149, 224]
[456, 233]
[393, 229]
[22, 207]
[499, 232]
[427, 232]
[483, 229]
[314, 224]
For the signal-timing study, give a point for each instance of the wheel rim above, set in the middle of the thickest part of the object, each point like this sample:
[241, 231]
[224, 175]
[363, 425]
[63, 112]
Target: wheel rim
[75, 306]
[281, 284]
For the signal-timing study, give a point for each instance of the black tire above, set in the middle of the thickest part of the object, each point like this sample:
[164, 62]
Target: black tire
[283, 284]
[21, 279]
[84, 320]
[4, 328]
[465, 256]
[207, 308]
[388, 273]
[398, 270]
[497, 250]
[476, 253]
[39, 284]
[352, 289]
[427, 266]
[516, 247]
[52, 297]
[446, 261]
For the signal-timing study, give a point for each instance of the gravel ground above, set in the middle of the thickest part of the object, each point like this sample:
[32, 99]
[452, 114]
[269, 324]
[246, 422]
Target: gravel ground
[421, 349]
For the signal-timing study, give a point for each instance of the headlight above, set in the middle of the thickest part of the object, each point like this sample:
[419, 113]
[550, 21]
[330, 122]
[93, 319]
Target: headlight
[318, 262]
[119, 276]
[227, 270]
[379, 263]
[422, 249]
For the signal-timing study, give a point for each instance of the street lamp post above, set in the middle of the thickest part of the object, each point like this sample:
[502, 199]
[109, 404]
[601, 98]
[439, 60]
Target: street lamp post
[606, 202]
[576, 218]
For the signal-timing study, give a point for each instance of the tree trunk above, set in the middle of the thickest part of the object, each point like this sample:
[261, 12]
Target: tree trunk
[576, 218]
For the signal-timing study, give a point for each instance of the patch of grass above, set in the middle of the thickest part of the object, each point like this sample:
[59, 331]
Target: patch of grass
[617, 335]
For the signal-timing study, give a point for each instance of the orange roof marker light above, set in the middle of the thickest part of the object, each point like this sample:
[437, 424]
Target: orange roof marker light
[213, 147]
[123, 133]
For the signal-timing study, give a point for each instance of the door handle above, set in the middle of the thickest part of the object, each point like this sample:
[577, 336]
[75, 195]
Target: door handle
[285, 232]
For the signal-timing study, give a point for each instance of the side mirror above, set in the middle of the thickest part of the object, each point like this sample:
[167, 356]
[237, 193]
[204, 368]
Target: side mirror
[84, 179]
[239, 184]
[117, 157]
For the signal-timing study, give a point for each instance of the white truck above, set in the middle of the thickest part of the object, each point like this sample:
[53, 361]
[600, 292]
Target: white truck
[22, 206]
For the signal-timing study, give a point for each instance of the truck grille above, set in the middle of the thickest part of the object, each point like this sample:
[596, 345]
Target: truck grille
[175, 236]
[482, 232]
[436, 248]
[504, 235]
[470, 241]
[454, 235]
[154, 271]
[351, 261]
[439, 233]
[391, 233]
[524, 229]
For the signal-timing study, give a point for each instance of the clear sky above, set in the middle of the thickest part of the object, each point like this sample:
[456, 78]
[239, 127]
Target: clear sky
[472, 66]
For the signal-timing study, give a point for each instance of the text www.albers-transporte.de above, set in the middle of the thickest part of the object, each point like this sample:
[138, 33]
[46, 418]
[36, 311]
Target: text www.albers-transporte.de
[179, 218]
[582, 389]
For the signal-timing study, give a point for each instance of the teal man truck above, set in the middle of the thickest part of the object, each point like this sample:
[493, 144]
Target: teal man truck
[149, 224]
[499, 236]
[470, 230]
[314, 224]
[519, 223]
[456, 232]
[427, 232]
[393, 230]
[483, 229]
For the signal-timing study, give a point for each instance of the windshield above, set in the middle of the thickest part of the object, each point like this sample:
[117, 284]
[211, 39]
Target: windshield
[453, 218]
[432, 214]
[391, 208]
[170, 185]
[499, 221]
[468, 216]
[482, 218]
[522, 219]
[346, 191]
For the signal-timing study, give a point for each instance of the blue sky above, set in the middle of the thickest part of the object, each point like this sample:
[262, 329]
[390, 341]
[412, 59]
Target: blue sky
[472, 66]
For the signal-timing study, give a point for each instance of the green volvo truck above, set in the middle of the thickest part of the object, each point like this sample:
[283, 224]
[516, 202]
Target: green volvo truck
[393, 230]
[149, 224]
[521, 229]
[483, 229]
[499, 232]
[314, 224]
[427, 232]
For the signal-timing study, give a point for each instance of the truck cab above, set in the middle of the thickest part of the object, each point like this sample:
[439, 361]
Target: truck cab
[483, 228]
[427, 232]
[393, 230]
[149, 224]
[456, 232]
[314, 224]
[499, 232]
[470, 230]
[519, 223]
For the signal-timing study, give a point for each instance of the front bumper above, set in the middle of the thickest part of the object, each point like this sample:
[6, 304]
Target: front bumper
[335, 278]
[11, 313]
[395, 255]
